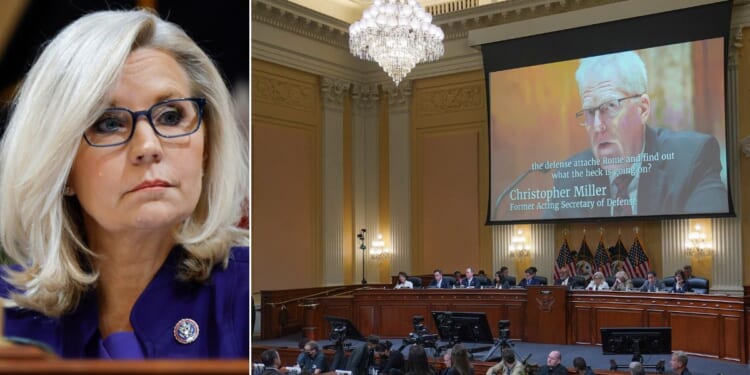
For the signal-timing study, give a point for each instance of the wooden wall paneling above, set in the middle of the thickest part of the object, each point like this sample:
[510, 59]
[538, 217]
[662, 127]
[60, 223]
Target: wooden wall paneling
[583, 326]
[732, 329]
[656, 318]
[396, 319]
[685, 325]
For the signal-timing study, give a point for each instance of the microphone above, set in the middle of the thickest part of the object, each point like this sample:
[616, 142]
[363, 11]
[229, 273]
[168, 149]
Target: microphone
[515, 183]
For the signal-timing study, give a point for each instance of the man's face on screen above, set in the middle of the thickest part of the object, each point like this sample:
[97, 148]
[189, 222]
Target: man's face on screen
[617, 126]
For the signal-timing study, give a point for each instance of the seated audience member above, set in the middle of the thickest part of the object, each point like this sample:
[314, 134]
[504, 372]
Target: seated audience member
[460, 364]
[598, 282]
[529, 279]
[271, 361]
[652, 284]
[459, 279]
[470, 281]
[314, 360]
[579, 364]
[499, 282]
[391, 361]
[688, 269]
[417, 363]
[680, 283]
[439, 282]
[679, 363]
[565, 279]
[622, 282]
[446, 361]
[403, 283]
[636, 368]
[508, 365]
[553, 367]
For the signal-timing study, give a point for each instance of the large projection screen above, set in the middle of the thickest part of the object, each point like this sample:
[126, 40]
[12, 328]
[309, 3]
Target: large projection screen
[558, 142]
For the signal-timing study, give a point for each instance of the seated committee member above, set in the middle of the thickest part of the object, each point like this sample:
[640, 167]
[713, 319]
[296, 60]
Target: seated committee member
[652, 284]
[459, 279]
[688, 269]
[271, 361]
[528, 278]
[439, 282]
[598, 282]
[508, 365]
[314, 361]
[470, 281]
[679, 363]
[499, 281]
[122, 176]
[553, 367]
[565, 279]
[403, 283]
[622, 282]
[680, 283]
[615, 113]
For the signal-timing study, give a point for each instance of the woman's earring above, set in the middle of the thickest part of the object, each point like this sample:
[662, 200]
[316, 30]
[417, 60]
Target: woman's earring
[68, 191]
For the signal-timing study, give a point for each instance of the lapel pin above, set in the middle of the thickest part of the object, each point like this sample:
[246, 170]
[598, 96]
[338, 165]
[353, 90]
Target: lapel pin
[186, 331]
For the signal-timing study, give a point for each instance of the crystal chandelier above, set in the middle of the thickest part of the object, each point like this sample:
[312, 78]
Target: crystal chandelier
[397, 34]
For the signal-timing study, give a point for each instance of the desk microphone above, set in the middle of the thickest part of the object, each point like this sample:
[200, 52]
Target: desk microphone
[515, 183]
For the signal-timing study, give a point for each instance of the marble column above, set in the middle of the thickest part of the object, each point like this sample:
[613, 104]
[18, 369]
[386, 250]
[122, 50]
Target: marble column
[365, 175]
[332, 93]
[399, 128]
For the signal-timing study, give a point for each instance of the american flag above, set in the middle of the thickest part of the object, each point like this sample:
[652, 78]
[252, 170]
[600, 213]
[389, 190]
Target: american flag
[601, 259]
[584, 252]
[638, 259]
[620, 253]
[565, 260]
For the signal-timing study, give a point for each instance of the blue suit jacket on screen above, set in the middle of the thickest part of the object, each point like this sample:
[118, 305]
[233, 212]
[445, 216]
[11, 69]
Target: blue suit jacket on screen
[220, 307]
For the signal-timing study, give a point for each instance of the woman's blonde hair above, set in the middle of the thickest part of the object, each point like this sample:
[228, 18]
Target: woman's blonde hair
[66, 90]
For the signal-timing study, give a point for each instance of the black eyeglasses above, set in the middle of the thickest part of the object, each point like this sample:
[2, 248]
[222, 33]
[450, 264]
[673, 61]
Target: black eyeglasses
[607, 111]
[170, 119]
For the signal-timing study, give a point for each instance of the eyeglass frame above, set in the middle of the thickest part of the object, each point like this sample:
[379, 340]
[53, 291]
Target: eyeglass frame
[200, 102]
[582, 112]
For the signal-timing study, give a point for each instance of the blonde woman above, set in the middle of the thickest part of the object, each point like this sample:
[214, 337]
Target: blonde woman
[598, 282]
[121, 177]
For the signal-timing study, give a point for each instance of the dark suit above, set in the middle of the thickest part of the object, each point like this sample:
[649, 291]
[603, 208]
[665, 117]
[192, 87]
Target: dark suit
[688, 183]
[685, 288]
[646, 287]
[444, 284]
[473, 283]
[395, 362]
[525, 282]
[557, 370]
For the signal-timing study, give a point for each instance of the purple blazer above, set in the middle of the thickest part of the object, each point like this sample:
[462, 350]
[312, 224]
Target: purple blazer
[220, 307]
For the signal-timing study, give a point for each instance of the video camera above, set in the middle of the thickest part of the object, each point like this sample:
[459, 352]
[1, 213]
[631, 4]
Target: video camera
[420, 335]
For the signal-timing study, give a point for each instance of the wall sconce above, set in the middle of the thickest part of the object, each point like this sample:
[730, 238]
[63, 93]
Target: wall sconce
[518, 246]
[378, 251]
[696, 244]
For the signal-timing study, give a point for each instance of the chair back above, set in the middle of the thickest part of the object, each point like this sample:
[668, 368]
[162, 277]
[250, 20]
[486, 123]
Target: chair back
[415, 281]
[542, 279]
[668, 282]
[511, 280]
[449, 279]
[698, 285]
[579, 282]
[483, 281]
[638, 282]
[610, 280]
